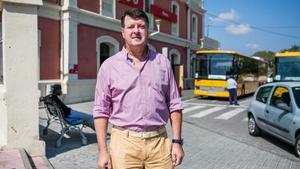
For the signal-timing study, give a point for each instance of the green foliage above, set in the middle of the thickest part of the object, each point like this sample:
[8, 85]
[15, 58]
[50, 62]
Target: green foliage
[268, 56]
[294, 48]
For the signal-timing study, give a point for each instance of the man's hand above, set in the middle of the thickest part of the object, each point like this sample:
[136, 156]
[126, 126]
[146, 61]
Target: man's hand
[104, 160]
[177, 154]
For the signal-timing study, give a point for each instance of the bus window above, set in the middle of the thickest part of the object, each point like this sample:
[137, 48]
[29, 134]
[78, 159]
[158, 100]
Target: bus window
[287, 68]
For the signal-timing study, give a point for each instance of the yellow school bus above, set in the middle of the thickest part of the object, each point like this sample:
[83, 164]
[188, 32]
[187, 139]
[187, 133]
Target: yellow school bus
[287, 66]
[211, 69]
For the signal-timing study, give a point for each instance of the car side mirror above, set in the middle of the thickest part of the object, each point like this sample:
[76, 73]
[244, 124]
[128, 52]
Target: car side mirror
[284, 106]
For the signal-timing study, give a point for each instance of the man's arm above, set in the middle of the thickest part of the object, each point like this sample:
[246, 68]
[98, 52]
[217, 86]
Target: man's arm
[101, 132]
[177, 150]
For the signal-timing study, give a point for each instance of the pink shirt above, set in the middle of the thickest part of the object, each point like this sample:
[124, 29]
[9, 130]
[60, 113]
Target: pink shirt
[139, 100]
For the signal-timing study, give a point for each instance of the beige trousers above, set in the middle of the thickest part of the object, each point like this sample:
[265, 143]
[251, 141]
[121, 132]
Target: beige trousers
[129, 152]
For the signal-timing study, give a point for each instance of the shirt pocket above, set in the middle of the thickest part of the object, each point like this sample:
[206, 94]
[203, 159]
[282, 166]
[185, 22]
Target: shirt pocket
[160, 81]
[120, 85]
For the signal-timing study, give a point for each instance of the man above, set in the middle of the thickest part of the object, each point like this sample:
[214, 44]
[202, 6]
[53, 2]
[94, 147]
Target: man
[231, 86]
[137, 94]
[69, 114]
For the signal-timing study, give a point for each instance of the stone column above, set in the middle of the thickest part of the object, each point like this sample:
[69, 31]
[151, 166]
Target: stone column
[19, 94]
[70, 56]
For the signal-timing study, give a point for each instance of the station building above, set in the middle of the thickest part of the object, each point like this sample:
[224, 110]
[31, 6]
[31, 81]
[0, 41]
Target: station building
[46, 42]
[76, 36]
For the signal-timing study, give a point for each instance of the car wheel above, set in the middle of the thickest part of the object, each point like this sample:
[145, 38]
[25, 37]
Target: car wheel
[253, 128]
[297, 146]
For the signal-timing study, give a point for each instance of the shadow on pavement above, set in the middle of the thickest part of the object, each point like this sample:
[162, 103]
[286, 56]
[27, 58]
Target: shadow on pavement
[71, 141]
[277, 142]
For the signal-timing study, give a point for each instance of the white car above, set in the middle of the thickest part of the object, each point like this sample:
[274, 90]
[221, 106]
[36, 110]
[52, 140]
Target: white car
[275, 109]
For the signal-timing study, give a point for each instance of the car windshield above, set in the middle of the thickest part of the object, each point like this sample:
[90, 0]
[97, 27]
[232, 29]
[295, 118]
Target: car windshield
[296, 91]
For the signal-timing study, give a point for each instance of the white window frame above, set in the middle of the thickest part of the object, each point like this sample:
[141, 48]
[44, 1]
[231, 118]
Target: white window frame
[149, 14]
[178, 56]
[175, 25]
[113, 8]
[112, 43]
[195, 34]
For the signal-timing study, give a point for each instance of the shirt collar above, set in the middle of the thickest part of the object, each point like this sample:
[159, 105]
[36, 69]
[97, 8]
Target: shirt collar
[126, 54]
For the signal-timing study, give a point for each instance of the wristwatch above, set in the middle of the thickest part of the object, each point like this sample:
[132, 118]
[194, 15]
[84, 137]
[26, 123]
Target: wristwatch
[177, 141]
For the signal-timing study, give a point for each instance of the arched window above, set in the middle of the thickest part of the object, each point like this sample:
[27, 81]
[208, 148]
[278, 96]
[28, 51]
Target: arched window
[106, 46]
[175, 26]
[194, 28]
[104, 52]
[174, 56]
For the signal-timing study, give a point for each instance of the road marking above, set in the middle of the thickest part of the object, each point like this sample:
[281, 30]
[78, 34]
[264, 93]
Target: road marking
[214, 105]
[185, 106]
[206, 112]
[187, 110]
[230, 114]
[189, 100]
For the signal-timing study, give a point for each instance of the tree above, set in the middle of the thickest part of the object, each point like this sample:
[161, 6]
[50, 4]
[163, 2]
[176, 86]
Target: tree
[292, 49]
[268, 56]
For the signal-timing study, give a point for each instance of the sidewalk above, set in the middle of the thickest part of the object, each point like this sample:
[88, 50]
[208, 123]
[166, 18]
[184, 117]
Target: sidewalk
[203, 149]
[72, 154]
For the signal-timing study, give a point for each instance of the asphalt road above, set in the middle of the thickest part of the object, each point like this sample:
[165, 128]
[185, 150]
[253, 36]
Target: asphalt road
[217, 116]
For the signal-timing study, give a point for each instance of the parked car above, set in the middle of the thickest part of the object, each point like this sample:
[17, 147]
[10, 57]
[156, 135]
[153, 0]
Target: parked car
[275, 109]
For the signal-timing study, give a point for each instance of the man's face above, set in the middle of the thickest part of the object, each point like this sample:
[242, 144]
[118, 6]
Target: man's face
[135, 32]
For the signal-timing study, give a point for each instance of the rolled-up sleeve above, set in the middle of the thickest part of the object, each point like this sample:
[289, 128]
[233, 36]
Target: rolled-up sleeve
[173, 97]
[102, 102]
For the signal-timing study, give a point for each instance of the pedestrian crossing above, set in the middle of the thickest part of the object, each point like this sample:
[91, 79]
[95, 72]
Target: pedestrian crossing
[230, 114]
[206, 112]
[217, 112]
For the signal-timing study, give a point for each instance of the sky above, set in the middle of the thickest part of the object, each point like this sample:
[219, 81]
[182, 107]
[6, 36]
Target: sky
[248, 26]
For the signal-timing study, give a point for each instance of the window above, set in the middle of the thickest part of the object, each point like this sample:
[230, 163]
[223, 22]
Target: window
[104, 52]
[296, 91]
[147, 5]
[194, 28]
[174, 56]
[107, 8]
[281, 98]
[263, 94]
[175, 26]
[106, 46]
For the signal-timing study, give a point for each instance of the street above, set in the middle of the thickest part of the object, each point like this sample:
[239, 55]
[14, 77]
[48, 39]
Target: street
[215, 136]
[231, 121]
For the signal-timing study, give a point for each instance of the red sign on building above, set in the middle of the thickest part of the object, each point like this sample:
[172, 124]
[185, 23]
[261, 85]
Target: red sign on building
[133, 3]
[162, 13]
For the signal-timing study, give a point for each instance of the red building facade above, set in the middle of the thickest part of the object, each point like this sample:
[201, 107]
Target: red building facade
[76, 36]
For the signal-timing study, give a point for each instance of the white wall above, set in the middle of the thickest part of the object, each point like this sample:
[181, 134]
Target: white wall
[19, 117]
